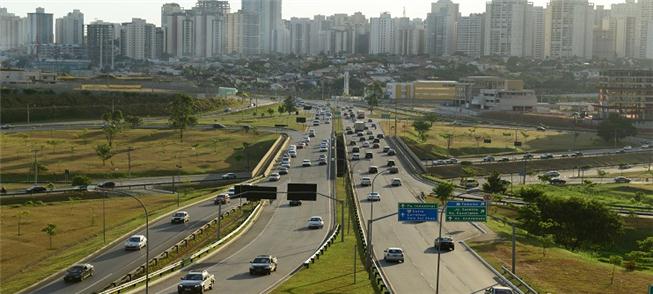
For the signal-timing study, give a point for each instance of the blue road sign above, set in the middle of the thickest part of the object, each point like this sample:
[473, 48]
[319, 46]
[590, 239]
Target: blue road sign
[418, 212]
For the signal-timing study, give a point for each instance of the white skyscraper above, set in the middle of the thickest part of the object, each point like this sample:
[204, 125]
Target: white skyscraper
[382, 34]
[441, 28]
[644, 40]
[13, 30]
[569, 29]
[268, 21]
[623, 23]
[70, 28]
[137, 39]
[300, 36]
[507, 28]
[197, 32]
[469, 38]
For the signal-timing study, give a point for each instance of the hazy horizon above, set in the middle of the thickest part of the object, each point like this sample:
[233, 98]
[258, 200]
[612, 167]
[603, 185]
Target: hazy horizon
[150, 10]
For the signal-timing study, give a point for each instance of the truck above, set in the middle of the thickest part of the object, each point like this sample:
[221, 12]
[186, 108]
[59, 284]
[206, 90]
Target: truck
[359, 126]
[360, 114]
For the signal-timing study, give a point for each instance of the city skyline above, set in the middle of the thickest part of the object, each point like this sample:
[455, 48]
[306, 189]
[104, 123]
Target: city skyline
[150, 10]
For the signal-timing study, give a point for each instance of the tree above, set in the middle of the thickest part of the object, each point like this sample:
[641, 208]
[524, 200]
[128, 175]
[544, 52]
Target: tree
[50, 230]
[113, 125]
[544, 178]
[134, 121]
[601, 173]
[54, 144]
[547, 239]
[430, 117]
[281, 109]
[615, 261]
[81, 180]
[494, 184]
[20, 214]
[615, 128]
[289, 105]
[182, 114]
[443, 192]
[449, 138]
[421, 127]
[104, 152]
[374, 93]
[270, 111]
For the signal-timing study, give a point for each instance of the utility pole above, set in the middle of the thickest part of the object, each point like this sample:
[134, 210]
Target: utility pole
[104, 219]
[36, 167]
[220, 218]
[28, 122]
[129, 161]
[513, 249]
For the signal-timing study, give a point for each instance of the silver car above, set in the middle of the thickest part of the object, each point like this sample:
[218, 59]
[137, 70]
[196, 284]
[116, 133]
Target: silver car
[393, 254]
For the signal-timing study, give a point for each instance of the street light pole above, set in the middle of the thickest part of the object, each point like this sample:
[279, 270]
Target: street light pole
[220, 218]
[370, 221]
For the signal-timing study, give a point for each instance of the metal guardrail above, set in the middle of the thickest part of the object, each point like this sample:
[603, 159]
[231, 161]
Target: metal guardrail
[180, 264]
[529, 289]
[323, 248]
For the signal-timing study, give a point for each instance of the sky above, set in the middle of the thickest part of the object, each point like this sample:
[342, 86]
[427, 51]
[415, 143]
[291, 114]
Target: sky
[150, 10]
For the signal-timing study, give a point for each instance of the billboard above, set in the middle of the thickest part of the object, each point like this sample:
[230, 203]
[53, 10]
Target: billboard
[307, 192]
[252, 192]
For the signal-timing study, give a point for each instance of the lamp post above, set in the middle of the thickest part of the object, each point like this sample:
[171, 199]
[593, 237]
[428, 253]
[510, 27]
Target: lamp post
[371, 220]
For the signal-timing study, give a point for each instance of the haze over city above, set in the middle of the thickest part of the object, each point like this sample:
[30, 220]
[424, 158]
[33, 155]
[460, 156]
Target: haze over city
[150, 10]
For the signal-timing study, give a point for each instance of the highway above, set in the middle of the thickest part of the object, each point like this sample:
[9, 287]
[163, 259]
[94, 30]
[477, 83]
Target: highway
[280, 231]
[461, 272]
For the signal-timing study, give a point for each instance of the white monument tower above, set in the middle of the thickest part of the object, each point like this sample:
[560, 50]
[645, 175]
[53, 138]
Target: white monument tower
[345, 88]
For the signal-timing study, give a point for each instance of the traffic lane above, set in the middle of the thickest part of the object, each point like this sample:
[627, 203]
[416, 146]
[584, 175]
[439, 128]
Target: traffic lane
[284, 235]
[116, 262]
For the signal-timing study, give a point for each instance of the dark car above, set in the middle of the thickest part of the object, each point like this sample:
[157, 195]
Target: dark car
[369, 120]
[107, 185]
[376, 141]
[36, 189]
[444, 243]
[218, 126]
[369, 155]
[391, 163]
[79, 272]
[379, 136]
[362, 139]
[373, 170]
[295, 203]
[393, 170]
[350, 132]
[263, 264]
[391, 152]
[370, 137]
[221, 199]
[360, 134]
[352, 143]
[355, 150]
[376, 146]
[557, 181]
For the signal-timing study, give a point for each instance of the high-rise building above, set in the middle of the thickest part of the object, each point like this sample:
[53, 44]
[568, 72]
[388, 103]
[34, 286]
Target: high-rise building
[508, 29]
[138, 39]
[409, 37]
[269, 21]
[603, 42]
[626, 92]
[537, 30]
[644, 40]
[623, 24]
[13, 30]
[300, 36]
[70, 28]
[382, 34]
[169, 14]
[469, 40]
[101, 43]
[40, 27]
[441, 28]
[569, 29]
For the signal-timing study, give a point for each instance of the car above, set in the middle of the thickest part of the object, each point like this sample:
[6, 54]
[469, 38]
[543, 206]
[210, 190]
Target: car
[231, 192]
[324, 149]
[504, 159]
[391, 152]
[369, 120]
[369, 133]
[355, 156]
[620, 151]
[444, 243]
[373, 169]
[374, 196]
[322, 161]
[285, 165]
[223, 198]
[371, 138]
[379, 136]
[352, 143]
[469, 183]
[350, 132]
[622, 180]
[107, 185]
[282, 170]
[546, 156]
[316, 123]
[474, 190]
[451, 160]
[375, 146]
[376, 141]
[366, 181]
[366, 144]
[306, 163]
[577, 154]
[625, 166]
[386, 149]
[362, 139]
[393, 170]
[498, 290]
[6, 126]
[552, 174]
[360, 134]
[294, 203]
[274, 177]
[355, 150]
[300, 145]
[327, 121]
[315, 222]
[292, 153]
[218, 126]
[79, 272]
[229, 176]
[557, 181]
[488, 159]
[390, 163]
[36, 189]
[393, 254]
[135, 242]
[396, 182]
[369, 155]
[263, 264]
[627, 148]
[527, 156]
[645, 146]
[438, 162]
[180, 217]
[541, 128]
[196, 282]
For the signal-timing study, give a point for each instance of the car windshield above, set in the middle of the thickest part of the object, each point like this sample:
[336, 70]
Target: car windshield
[315, 219]
[193, 277]
[134, 239]
[261, 260]
[76, 269]
[394, 251]
[502, 291]
[179, 214]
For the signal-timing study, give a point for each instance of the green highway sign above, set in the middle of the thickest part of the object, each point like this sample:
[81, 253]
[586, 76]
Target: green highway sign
[650, 289]
[385, 115]
[419, 212]
[466, 211]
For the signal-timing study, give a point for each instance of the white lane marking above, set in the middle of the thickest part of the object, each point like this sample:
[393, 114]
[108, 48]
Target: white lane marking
[100, 280]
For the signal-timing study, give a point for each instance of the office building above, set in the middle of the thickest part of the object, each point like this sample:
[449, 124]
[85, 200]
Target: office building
[469, 39]
[443, 92]
[627, 92]
[101, 43]
[569, 29]
[70, 29]
[40, 30]
[510, 97]
[623, 24]
[441, 28]
[644, 40]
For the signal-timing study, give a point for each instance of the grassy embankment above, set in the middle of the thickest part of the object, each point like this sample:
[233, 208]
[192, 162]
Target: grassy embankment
[613, 194]
[260, 117]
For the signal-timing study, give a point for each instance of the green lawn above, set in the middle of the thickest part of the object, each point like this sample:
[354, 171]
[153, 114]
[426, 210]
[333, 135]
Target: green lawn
[468, 140]
[560, 270]
[260, 117]
[154, 153]
[27, 258]
[615, 194]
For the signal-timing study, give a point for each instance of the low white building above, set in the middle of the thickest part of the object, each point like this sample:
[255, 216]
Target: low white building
[505, 100]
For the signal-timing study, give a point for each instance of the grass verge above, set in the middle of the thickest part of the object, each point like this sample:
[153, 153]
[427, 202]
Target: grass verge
[27, 258]
[264, 116]
[613, 194]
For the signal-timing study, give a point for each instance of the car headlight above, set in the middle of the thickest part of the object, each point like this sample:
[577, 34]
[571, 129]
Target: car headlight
[197, 285]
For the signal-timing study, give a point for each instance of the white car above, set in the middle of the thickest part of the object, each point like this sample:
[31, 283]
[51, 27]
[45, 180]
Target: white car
[552, 174]
[180, 217]
[622, 180]
[229, 176]
[196, 282]
[374, 196]
[393, 254]
[356, 156]
[135, 242]
[628, 147]
[274, 177]
[292, 147]
[306, 163]
[292, 153]
[315, 222]
[366, 144]
[231, 191]
[324, 149]
[285, 164]
[366, 181]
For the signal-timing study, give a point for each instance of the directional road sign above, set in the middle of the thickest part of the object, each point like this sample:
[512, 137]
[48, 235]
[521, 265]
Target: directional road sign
[650, 289]
[418, 212]
[466, 211]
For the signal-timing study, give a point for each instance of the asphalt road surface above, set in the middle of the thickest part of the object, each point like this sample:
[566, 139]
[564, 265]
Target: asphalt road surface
[280, 231]
[461, 272]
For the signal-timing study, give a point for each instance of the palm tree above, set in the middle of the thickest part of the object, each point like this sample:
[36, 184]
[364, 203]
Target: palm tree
[50, 230]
